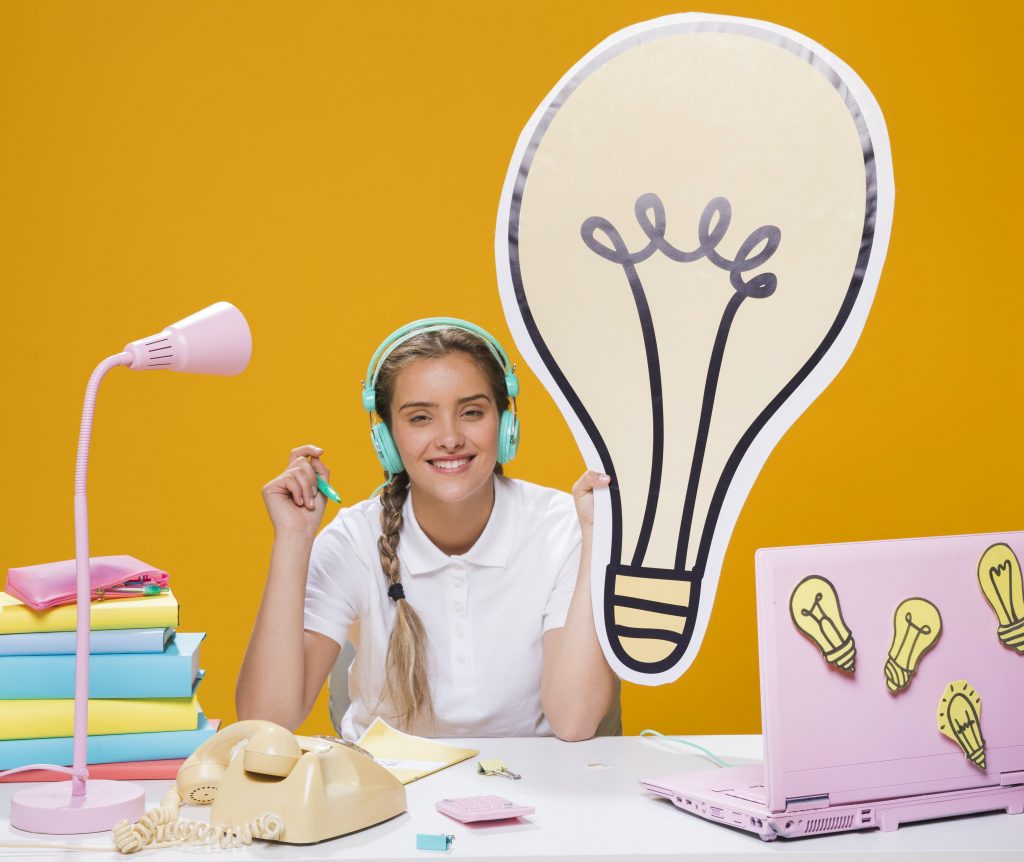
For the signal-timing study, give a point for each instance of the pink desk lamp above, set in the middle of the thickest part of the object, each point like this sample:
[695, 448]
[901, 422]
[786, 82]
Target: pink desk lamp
[215, 340]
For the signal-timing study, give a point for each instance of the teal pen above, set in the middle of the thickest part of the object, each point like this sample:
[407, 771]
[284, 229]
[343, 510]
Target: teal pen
[326, 490]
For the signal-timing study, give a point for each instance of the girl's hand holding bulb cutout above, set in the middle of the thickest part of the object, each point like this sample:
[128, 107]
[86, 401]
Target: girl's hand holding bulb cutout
[292, 499]
[583, 496]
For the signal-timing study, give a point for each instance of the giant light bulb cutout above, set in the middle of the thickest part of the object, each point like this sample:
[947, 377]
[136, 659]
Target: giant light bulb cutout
[689, 239]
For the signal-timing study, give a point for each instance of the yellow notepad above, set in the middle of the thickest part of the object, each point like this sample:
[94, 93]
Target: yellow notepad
[409, 757]
[143, 612]
[40, 719]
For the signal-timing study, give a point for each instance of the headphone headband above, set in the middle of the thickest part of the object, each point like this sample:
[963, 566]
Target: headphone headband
[380, 436]
[432, 324]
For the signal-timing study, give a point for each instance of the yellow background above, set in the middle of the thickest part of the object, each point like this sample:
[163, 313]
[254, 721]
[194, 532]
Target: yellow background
[334, 170]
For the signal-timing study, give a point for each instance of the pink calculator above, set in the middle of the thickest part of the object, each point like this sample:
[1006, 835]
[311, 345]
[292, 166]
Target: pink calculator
[469, 809]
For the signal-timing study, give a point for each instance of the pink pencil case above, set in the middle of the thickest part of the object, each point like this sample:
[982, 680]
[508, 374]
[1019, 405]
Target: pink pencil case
[50, 584]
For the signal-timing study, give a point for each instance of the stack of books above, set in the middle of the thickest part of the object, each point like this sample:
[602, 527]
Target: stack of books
[144, 717]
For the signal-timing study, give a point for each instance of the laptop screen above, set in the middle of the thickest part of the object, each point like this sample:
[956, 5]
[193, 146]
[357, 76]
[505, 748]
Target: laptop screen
[849, 719]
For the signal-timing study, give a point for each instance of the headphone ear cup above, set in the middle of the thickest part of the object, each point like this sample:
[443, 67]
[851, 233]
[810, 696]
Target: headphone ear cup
[384, 446]
[508, 437]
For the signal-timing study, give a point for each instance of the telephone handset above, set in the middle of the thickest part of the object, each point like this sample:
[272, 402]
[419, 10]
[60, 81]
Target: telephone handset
[268, 749]
[266, 783]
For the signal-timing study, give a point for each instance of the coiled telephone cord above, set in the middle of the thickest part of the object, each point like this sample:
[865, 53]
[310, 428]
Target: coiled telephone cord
[161, 827]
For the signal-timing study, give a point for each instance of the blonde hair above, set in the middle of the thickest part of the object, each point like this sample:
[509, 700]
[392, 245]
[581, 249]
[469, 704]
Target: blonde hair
[407, 684]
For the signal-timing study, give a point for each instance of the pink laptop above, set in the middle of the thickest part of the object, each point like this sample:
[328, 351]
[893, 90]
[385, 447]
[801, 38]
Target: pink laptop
[842, 750]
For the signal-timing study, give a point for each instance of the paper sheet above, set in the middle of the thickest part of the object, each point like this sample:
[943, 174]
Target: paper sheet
[407, 757]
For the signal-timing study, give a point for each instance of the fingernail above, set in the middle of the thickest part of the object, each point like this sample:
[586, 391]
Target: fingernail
[318, 449]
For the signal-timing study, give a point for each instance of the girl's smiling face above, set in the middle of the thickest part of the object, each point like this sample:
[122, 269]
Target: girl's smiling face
[445, 424]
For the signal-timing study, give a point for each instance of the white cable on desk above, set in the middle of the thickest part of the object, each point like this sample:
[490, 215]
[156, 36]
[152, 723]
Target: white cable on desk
[678, 740]
[38, 845]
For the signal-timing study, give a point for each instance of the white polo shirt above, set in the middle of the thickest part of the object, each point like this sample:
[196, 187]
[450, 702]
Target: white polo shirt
[485, 612]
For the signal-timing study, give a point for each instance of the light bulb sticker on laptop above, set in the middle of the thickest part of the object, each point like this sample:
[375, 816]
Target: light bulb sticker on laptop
[917, 625]
[1000, 578]
[960, 719]
[815, 609]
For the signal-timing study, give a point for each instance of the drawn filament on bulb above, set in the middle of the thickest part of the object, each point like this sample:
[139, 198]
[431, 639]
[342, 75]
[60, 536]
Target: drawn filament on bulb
[1000, 578]
[959, 719]
[827, 630]
[917, 625]
[680, 587]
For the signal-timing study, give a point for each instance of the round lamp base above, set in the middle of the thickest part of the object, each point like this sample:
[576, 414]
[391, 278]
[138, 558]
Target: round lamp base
[50, 809]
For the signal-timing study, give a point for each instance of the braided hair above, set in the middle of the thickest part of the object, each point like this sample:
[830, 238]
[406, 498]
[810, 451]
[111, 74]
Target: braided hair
[407, 684]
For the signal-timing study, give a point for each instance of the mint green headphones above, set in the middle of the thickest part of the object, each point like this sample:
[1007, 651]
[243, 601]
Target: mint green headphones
[380, 436]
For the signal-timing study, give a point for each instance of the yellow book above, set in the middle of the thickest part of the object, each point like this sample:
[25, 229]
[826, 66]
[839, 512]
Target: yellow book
[143, 612]
[41, 719]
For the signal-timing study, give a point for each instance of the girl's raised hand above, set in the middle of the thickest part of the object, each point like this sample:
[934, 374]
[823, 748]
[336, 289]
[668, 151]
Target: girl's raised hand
[583, 495]
[292, 499]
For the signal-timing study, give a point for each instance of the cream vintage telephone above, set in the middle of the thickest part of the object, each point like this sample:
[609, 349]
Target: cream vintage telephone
[266, 783]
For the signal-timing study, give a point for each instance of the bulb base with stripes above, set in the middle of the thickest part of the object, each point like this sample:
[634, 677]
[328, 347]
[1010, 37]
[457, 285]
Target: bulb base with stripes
[650, 614]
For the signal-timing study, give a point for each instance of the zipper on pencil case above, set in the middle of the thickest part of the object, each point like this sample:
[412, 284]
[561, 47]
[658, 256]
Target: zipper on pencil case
[137, 587]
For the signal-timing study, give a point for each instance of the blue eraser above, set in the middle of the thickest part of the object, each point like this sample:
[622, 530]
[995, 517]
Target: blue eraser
[433, 842]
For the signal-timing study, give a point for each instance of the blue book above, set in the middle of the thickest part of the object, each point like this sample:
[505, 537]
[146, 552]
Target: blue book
[109, 748]
[100, 641]
[171, 673]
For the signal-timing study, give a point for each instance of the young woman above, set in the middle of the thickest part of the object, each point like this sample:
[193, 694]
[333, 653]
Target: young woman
[465, 593]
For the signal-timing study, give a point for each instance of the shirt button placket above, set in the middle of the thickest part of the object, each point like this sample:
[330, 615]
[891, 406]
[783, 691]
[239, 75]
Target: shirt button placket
[460, 645]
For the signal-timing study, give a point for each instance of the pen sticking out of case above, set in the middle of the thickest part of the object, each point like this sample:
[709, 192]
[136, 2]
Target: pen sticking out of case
[50, 584]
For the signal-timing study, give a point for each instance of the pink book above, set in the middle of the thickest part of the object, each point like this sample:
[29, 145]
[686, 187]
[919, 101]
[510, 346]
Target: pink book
[136, 770]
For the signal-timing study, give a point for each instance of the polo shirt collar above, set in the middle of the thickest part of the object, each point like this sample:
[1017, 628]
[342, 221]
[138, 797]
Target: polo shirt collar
[419, 555]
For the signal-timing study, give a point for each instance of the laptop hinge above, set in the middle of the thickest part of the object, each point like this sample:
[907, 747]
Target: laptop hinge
[1008, 779]
[806, 803]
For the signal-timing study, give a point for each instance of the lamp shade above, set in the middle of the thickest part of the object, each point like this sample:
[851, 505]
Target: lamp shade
[215, 340]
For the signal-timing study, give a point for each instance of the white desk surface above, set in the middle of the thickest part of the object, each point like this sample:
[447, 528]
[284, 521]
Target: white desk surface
[583, 812]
